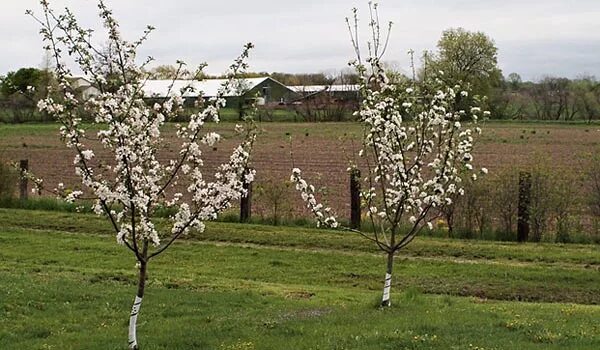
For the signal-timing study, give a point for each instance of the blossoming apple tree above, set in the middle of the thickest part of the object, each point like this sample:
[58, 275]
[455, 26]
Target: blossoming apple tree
[415, 148]
[137, 178]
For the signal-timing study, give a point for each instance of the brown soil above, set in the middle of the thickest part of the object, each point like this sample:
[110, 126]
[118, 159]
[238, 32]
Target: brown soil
[322, 151]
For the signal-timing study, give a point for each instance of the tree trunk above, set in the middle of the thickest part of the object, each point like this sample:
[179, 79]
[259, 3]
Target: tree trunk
[246, 201]
[385, 301]
[450, 219]
[355, 198]
[523, 210]
[135, 310]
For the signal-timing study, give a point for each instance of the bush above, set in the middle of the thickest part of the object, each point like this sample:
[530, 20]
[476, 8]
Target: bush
[505, 191]
[505, 236]
[565, 198]
[542, 198]
[593, 176]
[275, 197]
[8, 180]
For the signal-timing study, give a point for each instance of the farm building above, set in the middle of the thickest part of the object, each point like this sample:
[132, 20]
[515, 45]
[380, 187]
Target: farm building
[326, 102]
[341, 92]
[267, 90]
[83, 87]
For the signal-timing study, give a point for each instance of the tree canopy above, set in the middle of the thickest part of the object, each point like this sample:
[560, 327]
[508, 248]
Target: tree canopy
[466, 58]
[20, 80]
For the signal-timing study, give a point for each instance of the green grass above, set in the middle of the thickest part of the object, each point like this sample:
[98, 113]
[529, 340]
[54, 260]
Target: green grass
[278, 115]
[228, 114]
[34, 129]
[304, 238]
[44, 203]
[66, 284]
[534, 122]
[73, 311]
[286, 119]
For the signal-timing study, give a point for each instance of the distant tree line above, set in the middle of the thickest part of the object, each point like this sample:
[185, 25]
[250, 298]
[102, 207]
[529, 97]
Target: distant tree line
[468, 59]
[551, 98]
[19, 93]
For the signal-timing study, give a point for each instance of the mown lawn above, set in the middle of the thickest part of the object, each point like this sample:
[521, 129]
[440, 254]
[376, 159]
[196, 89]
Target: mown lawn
[66, 284]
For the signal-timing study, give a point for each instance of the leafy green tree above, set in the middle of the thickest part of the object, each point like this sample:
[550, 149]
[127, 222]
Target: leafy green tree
[22, 89]
[302, 78]
[586, 91]
[507, 101]
[21, 80]
[514, 81]
[170, 72]
[469, 59]
[553, 99]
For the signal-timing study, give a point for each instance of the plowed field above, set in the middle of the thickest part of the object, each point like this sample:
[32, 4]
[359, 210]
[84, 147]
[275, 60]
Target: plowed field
[322, 151]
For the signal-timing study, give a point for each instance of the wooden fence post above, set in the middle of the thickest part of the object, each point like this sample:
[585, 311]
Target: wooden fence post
[246, 201]
[523, 209]
[355, 198]
[23, 168]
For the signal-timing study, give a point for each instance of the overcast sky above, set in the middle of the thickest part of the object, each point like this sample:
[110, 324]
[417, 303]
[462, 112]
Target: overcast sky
[534, 37]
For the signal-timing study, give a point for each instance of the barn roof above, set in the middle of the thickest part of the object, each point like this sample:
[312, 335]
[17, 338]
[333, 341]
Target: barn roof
[319, 88]
[208, 87]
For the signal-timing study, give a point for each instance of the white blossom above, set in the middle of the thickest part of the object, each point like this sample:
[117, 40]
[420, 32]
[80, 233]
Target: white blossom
[87, 154]
[415, 160]
[137, 181]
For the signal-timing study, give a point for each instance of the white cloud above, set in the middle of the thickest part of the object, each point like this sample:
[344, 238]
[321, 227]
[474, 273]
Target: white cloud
[534, 37]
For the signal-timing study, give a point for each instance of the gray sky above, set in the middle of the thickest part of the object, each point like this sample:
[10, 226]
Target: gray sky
[534, 37]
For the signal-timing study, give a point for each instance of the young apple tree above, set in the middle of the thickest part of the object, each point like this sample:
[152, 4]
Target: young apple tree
[133, 176]
[415, 149]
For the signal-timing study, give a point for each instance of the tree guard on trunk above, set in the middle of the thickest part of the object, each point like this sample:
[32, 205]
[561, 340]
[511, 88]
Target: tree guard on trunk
[135, 310]
[385, 301]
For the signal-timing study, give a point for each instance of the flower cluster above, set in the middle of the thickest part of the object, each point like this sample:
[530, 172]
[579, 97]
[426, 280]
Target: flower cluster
[323, 214]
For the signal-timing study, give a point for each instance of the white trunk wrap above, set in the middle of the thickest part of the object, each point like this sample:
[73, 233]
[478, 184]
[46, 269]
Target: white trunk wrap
[133, 322]
[386, 288]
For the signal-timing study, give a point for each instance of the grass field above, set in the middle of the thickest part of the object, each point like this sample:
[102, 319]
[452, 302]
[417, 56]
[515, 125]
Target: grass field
[66, 284]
